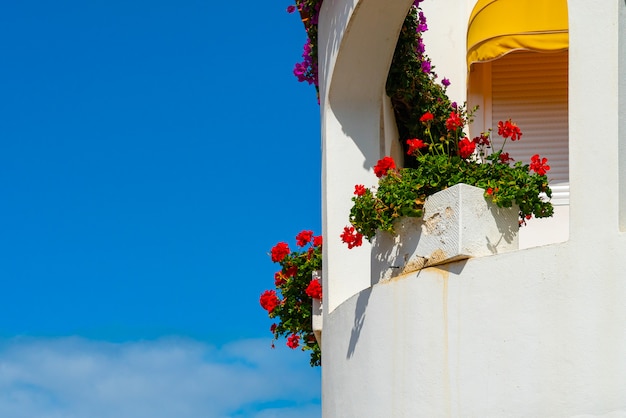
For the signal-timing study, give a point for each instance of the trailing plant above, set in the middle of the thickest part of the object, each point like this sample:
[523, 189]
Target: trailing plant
[307, 70]
[412, 84]
[290, 303]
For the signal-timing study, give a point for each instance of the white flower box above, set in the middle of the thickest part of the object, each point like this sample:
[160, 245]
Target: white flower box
[458, 223]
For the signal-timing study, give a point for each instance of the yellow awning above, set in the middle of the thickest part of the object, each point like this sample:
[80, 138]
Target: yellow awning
[497, 27]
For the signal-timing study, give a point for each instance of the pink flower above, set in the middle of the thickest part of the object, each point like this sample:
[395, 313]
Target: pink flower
[291, 9]
[383, 166]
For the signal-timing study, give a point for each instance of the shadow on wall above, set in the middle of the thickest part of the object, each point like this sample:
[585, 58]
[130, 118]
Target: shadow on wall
[359, 320]
[358, 81]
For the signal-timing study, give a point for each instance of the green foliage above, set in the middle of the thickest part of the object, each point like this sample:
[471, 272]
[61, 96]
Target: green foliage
[294, 310]
[412, 87]
[403, 192]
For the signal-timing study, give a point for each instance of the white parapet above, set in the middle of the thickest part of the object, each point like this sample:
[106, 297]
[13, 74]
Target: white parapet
[458, 223]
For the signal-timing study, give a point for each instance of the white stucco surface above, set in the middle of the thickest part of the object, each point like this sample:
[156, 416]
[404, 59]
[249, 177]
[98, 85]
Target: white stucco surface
[539, 332]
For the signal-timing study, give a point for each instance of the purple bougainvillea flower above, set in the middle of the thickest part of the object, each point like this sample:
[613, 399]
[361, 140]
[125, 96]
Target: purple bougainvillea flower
[445, 82]
[426, 66]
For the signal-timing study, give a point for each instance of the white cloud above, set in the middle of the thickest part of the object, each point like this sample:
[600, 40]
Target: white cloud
[169, 378]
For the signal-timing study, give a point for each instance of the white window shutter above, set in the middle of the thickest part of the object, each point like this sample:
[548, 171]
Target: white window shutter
[531, 89]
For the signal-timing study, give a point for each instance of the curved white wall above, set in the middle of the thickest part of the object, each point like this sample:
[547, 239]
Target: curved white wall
[356, 43]
[534, 333]
[531, 334]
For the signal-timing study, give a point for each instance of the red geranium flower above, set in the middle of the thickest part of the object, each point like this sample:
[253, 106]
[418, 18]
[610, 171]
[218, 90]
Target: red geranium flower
[280, 251]
[385, 164]
[279, 279]
[509, 130]
[269, 300]
[303, 238]
[317, 241]
[483, 139]
[454, 122]
[314, 289]
[293, 341]
[273, 328]
[505, 158]
[291, 271]
[351, 237]
[414, 145]
[359, 190]
[538, 165]
[426, 117]
[466, 148]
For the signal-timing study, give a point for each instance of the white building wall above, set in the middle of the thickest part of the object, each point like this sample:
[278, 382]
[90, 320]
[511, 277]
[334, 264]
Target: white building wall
[535, 333]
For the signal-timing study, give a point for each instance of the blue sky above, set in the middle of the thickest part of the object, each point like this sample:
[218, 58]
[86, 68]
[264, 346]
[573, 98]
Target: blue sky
[151, 154]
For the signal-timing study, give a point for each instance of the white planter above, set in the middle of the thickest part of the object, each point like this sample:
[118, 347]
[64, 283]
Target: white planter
[458, 223]
[316, 315]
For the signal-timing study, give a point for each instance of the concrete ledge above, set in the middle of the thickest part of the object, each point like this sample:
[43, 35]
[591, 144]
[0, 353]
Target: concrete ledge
[458, 223]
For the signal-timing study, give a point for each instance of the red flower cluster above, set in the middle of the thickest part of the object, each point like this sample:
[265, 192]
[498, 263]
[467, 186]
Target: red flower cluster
[505, 158]
[426, 117]
[351, 237]
[293, 341]
[314, 289]
[483, 139]
[414, 145]
[359, 190]
[279, 279]
[384, 165]
[538, 165]
[269, 300]
[317, 241]
[303, 238]
[466, 147]
[509, 130]
[454, 122]
[280, 251]
[291, 271]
